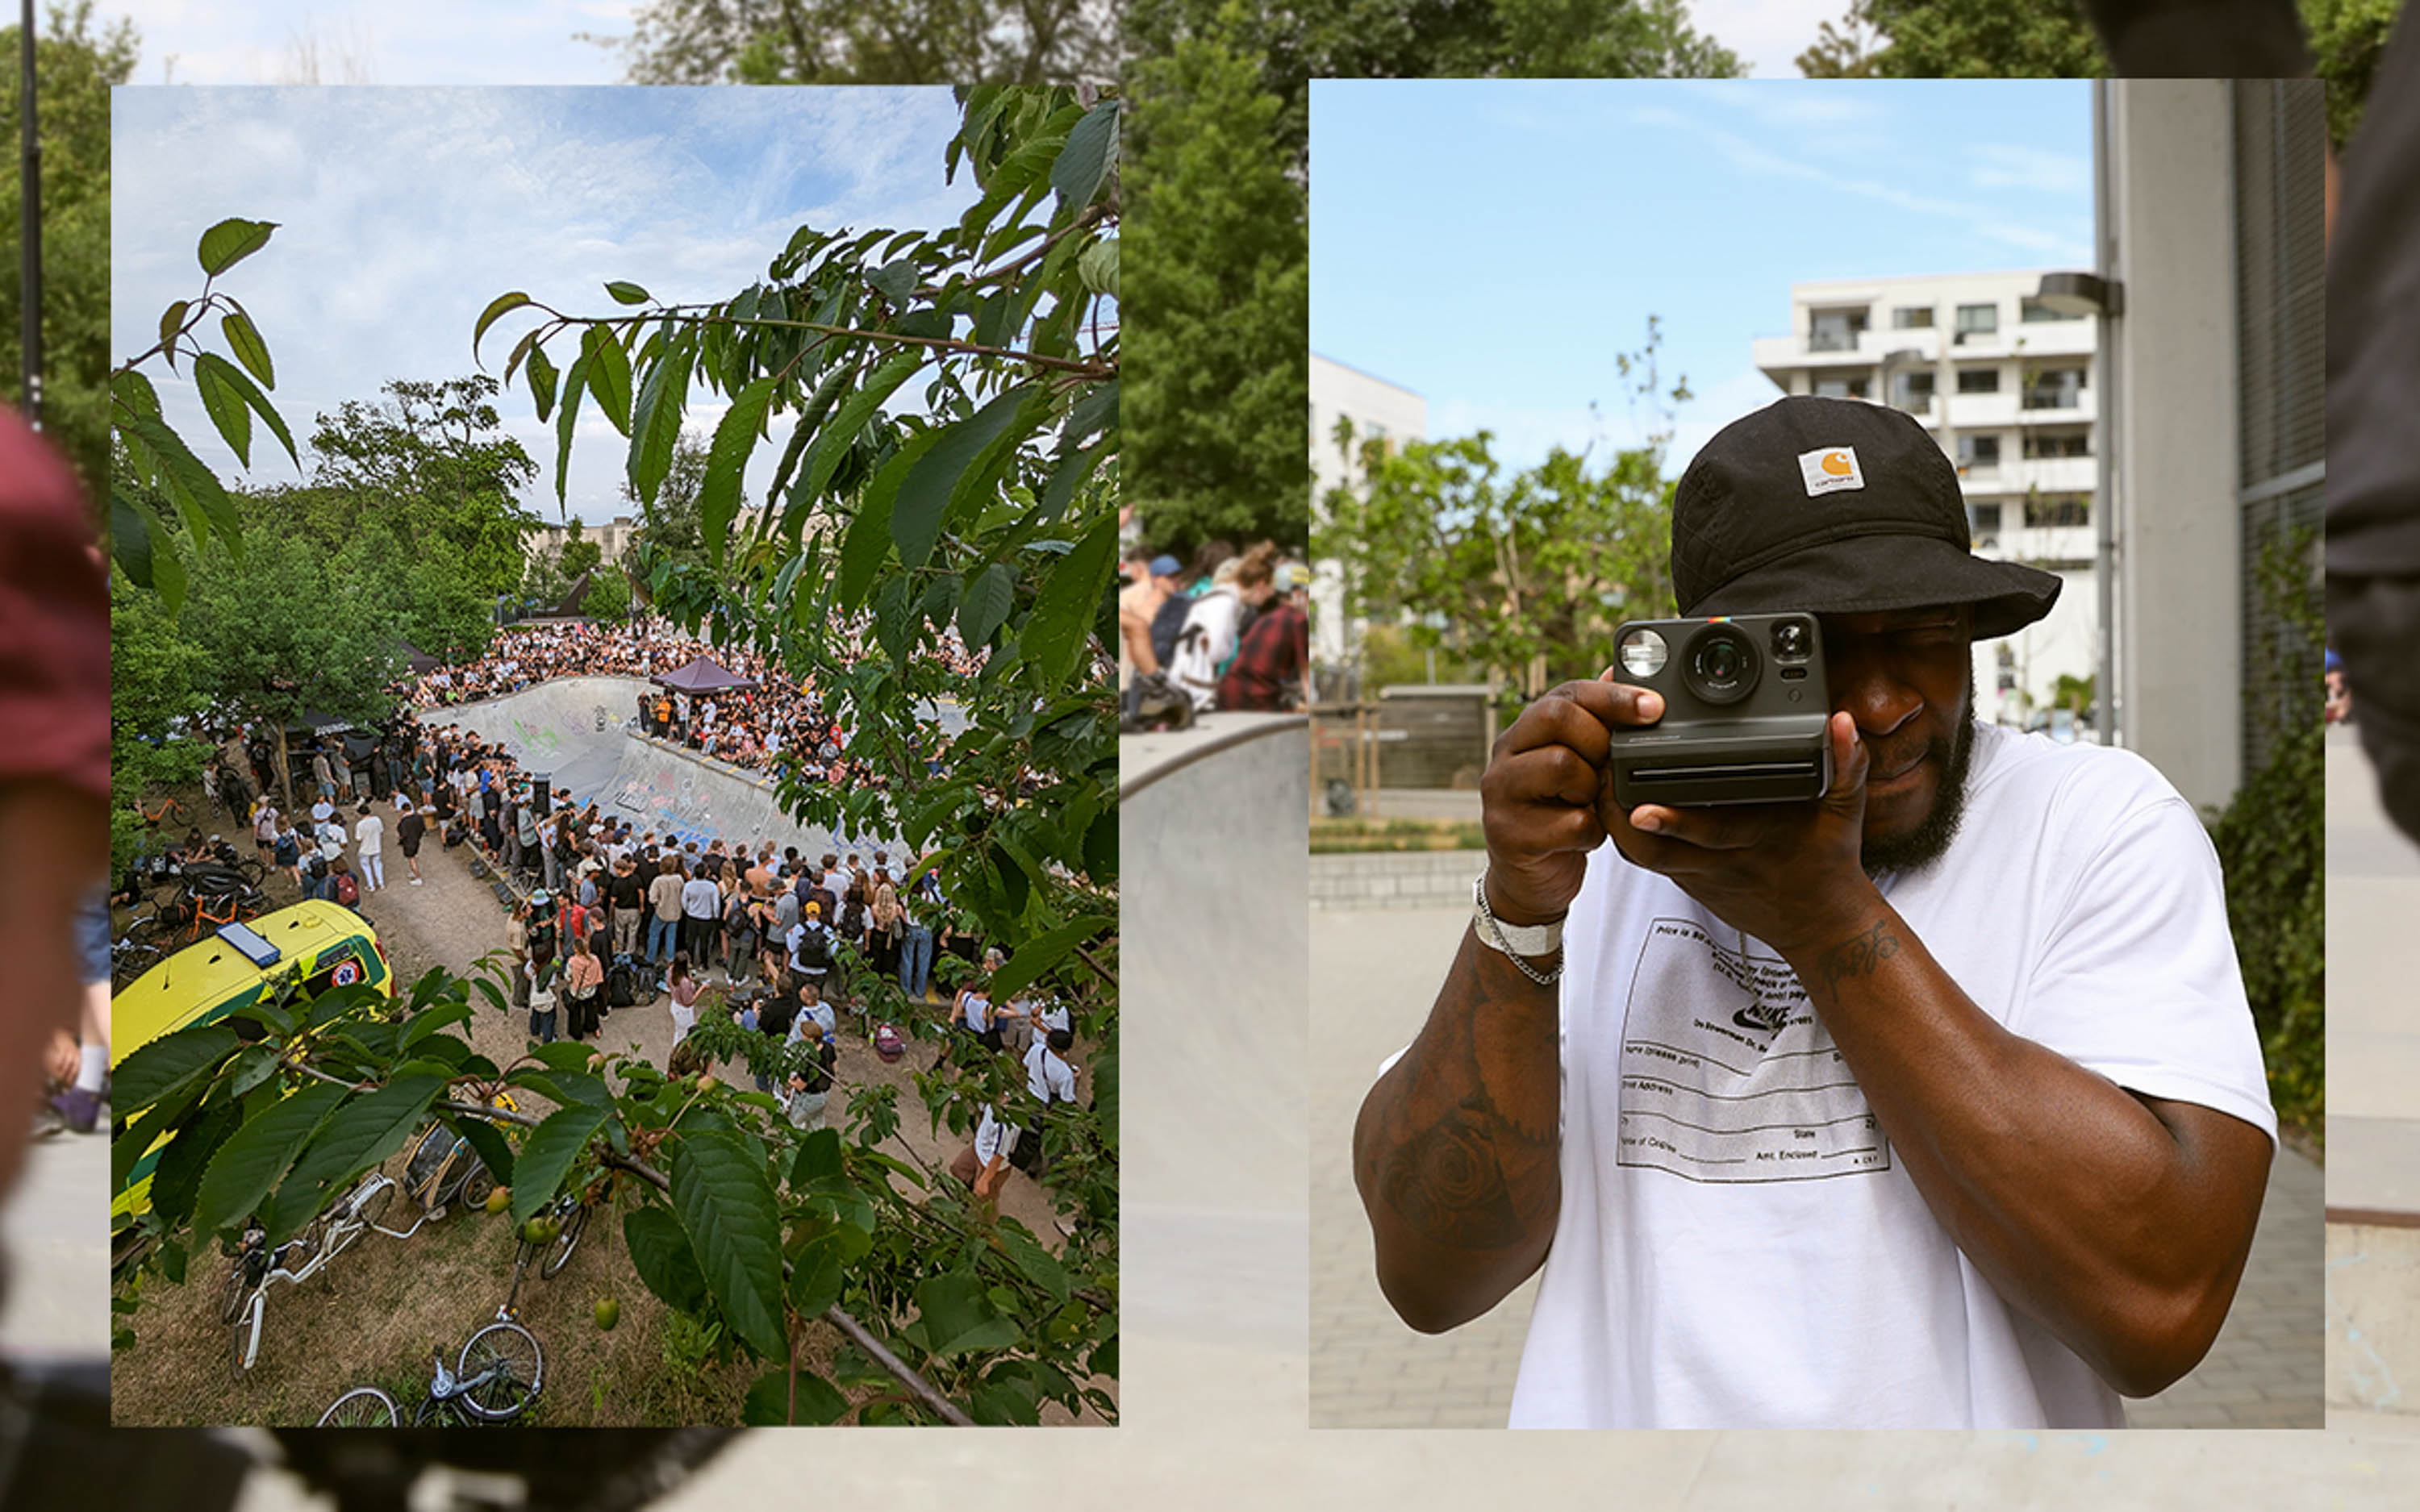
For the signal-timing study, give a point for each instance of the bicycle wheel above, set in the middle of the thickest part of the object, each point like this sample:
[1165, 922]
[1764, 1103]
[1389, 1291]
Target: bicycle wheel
[231, 1297]
[364, 1406]
[511, 1350]
[244, 1334]
[559, 1253]
[476, 1185]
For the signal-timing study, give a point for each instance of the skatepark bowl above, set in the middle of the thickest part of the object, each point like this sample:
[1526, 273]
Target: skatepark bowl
[1214, 955]
[582, 734]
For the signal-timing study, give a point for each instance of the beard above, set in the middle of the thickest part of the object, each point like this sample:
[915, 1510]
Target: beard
[1930, 838]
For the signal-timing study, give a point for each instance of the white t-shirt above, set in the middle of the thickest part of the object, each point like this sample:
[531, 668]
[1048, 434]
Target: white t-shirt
[993, 1136]
[1738, 1246]
[1047, 1077]
[371, 832]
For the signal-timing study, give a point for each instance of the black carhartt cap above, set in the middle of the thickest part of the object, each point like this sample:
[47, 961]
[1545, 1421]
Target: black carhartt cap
[1836, 506]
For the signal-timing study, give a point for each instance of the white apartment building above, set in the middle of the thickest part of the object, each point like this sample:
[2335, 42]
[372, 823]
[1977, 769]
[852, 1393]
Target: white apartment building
[1376, 411]
[2008, 388]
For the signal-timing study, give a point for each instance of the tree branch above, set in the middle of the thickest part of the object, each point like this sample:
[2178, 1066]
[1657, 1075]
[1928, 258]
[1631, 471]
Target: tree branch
[898, 1367]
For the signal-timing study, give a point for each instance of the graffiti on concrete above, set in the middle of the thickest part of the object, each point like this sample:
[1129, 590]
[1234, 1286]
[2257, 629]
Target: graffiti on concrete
[535, 740]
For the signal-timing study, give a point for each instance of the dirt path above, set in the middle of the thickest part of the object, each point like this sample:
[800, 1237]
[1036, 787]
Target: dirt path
[373, 1315]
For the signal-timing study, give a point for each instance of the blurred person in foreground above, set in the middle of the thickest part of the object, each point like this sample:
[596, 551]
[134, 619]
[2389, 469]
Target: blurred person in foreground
[1933, 1102]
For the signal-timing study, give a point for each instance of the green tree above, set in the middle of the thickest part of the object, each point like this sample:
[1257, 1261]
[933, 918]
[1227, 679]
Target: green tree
[288, 626]
[1529, 574]
[1218, 424]
[75, 65]
[609, 597]
[871, 41]
[1982, 39]
[669, 523]
[2348, 37]
[2055, 39]
[1431, 38]
[430, 462]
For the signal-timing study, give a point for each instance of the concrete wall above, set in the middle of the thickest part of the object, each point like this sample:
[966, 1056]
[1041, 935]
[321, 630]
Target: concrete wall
[2178, 638]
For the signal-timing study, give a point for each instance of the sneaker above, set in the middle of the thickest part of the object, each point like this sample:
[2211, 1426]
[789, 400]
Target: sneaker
[415, 882]
[77, 1108]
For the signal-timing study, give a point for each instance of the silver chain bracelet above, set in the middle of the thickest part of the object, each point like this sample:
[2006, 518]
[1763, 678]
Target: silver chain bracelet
[1492, 934]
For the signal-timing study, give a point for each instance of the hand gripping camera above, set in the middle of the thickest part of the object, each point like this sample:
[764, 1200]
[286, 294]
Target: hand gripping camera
[1745, 711]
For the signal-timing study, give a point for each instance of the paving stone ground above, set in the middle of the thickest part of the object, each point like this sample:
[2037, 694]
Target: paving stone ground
[1373, 973]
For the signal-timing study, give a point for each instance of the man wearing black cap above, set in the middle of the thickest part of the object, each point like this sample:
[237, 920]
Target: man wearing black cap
[1932, 1102]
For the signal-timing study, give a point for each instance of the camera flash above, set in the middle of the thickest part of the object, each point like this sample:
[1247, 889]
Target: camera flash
[1643, 653]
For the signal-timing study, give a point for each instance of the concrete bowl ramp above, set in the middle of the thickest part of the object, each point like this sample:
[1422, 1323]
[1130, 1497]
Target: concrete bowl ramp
[1215, 961]
[583, 732]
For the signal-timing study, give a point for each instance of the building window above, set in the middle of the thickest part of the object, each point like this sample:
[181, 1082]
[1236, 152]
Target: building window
[1980, 380]
[1835, 331]
[1840, 388]
[2032, 312]
[2055, 388]
[1911, 317]
[2055, 444]
[1983, 519]
[1978, 321]
[1911, 390]
[1979, 452]
[2057, 512]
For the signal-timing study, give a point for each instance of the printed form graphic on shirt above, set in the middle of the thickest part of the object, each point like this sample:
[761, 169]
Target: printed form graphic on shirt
[1727, 1075]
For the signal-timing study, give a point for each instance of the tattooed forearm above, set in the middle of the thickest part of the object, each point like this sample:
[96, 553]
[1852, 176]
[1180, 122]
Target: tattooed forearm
[1464, 1147]
[1448, 1180]
[1856, 957]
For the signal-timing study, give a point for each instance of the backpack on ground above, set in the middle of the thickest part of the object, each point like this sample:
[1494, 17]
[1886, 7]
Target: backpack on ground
[621, 983]
[1151, 701]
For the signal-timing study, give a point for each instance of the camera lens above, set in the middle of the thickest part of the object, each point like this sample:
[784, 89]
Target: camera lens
[1721, 664]
[1791, 641]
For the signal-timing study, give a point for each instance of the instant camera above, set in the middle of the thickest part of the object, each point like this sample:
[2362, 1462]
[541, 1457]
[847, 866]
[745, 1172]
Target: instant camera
[1747, 716]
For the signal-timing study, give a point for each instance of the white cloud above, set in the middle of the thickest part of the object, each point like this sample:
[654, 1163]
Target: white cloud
[2005, 165]
[403, 212]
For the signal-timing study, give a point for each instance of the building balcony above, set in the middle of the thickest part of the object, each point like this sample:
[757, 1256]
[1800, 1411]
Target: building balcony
[1785, 353]
[2051, 407]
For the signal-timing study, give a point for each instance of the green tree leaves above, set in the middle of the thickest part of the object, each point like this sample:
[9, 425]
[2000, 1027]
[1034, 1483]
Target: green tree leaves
[726, 1204]
[230, 242]
[551, 1150]
[734, 438]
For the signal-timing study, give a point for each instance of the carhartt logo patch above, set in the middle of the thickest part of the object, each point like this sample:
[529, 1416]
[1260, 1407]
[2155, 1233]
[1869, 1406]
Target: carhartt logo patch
[1829, 469]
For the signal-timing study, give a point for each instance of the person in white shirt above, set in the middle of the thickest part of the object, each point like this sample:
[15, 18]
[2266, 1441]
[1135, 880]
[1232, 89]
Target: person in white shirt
[1933, 1102]
[1050, 1081]
[369, 834]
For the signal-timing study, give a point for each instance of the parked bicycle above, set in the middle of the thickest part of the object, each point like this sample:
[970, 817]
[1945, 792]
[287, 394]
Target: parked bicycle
[443, 1168]
[132, 953]
[570, 1216]
[498, 1376]
[244, 1302]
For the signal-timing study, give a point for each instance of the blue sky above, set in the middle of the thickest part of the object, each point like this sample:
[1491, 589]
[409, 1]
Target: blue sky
[1491, 244]
[403, 212]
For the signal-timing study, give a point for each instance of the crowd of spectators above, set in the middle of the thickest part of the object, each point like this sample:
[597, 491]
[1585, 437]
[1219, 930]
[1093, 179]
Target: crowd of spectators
[1229, 632]
[773, 726]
